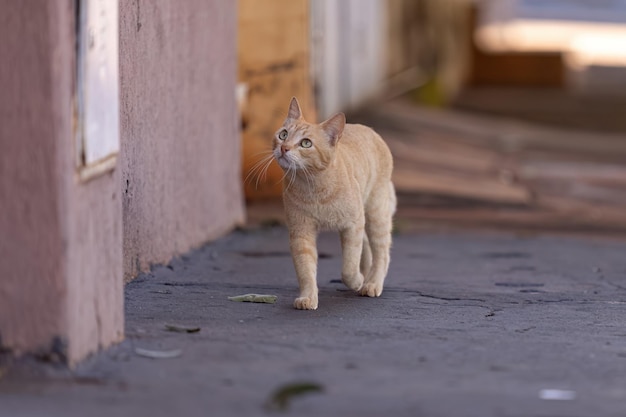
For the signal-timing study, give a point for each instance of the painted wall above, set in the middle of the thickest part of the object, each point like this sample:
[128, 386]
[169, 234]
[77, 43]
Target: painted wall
[348, 62]
[273, 51]
[66, 244]
[60, 238]
[180, 143]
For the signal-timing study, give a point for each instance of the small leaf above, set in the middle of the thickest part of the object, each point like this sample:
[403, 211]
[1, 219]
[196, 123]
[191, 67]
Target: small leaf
[280, 399]
[182, 329]
[255, 298]
[158, 354]
[557, 394]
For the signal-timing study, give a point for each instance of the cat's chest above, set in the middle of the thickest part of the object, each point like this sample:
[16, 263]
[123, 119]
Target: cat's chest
[330, 212]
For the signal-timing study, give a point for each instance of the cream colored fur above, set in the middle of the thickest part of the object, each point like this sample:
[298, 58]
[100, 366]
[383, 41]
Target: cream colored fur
[341, 182]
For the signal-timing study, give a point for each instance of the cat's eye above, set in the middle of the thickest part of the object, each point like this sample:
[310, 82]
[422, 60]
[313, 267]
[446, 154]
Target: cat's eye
[282, 135]
[306, 143]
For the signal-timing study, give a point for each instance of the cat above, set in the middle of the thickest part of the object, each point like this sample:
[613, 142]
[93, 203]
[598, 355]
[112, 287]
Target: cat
[337, 176]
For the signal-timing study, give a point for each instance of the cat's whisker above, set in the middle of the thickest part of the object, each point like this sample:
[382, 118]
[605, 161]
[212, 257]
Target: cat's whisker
[252, 175]
[284, 180]
[283, 177]
[293, 177]
[262, 152]
[307, 176]
[260, 174]
[266, 154]
[289, 181]
[292, 174]
[258, 167]
[303, 170]
[263, 173]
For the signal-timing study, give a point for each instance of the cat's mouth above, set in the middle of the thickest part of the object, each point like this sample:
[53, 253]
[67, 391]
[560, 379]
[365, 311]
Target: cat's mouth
[284, 162]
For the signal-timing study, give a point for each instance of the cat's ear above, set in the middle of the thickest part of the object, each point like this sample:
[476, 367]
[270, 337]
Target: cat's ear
[333, 127]
[294, 109]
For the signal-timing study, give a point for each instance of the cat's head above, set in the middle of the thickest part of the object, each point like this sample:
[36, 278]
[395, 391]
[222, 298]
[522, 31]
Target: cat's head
[306, 146]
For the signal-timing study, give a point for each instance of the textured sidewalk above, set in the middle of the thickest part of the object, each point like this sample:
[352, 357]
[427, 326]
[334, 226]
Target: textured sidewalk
[469, 324]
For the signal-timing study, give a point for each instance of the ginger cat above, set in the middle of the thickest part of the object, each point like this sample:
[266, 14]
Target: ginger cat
[337, 177]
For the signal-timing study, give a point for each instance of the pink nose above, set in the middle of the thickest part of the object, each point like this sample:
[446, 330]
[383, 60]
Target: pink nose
[283, 149]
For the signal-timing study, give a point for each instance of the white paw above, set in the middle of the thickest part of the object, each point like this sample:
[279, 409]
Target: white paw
[305, 303]
[371, 289]
[354, 282]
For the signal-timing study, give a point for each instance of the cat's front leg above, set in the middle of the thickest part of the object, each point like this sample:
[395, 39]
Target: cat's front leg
[302, 242]
[352, 247]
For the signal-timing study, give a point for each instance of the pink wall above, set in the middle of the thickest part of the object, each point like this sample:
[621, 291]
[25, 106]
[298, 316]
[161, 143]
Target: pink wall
[31, 253]
[65, 245]
[60, 239]
[180, 141]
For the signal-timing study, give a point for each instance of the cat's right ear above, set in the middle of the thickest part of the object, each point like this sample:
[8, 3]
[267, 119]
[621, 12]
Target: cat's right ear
[333, 127]
[294, 109]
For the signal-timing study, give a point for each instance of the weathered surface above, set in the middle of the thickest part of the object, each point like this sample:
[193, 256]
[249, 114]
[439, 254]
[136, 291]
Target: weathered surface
[60, 238]
[469, 325]
[179, 136]
[29, 197]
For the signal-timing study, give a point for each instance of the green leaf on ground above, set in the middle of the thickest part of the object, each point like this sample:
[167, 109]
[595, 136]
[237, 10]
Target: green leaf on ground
[182, 329]
[255, 298]
[280, 399]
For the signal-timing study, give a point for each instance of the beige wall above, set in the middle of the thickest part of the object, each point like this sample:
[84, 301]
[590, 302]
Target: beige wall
[180, 141]
[273, 52]
[60, 239]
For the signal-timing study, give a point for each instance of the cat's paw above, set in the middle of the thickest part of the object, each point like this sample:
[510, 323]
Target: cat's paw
[354, 282]
[371, 289]
[305, 303]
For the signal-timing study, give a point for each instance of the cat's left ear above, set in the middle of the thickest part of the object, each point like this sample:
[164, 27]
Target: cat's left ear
[294, 109]
[333, 127]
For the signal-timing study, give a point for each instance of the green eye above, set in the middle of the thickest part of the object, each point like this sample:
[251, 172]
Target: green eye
[282, 135]
[306, 143]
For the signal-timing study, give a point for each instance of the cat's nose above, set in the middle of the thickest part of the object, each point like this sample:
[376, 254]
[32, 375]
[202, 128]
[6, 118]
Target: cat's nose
[283, 149]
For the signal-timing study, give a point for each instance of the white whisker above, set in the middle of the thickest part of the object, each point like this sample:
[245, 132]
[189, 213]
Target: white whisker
[261, 161]
[259, 167]
[292, 179]
[284, 175]
[263, 173]
[307, 176]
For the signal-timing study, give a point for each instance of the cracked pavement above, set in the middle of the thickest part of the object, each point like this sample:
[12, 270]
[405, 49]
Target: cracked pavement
[469, 324]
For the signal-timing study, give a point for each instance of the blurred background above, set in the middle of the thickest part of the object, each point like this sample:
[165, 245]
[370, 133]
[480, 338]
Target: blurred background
[500, 113]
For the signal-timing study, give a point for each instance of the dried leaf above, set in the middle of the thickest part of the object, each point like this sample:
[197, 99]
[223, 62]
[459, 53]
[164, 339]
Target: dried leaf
[158, 354]
[182, 329]
[255, 298]
[557, 394]
[280, 399]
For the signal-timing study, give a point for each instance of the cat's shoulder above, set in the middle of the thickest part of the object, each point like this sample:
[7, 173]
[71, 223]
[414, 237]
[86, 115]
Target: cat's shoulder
[356, 129]
[359, 132]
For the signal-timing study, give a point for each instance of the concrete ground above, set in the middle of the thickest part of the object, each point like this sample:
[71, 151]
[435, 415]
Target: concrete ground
[470, 324]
